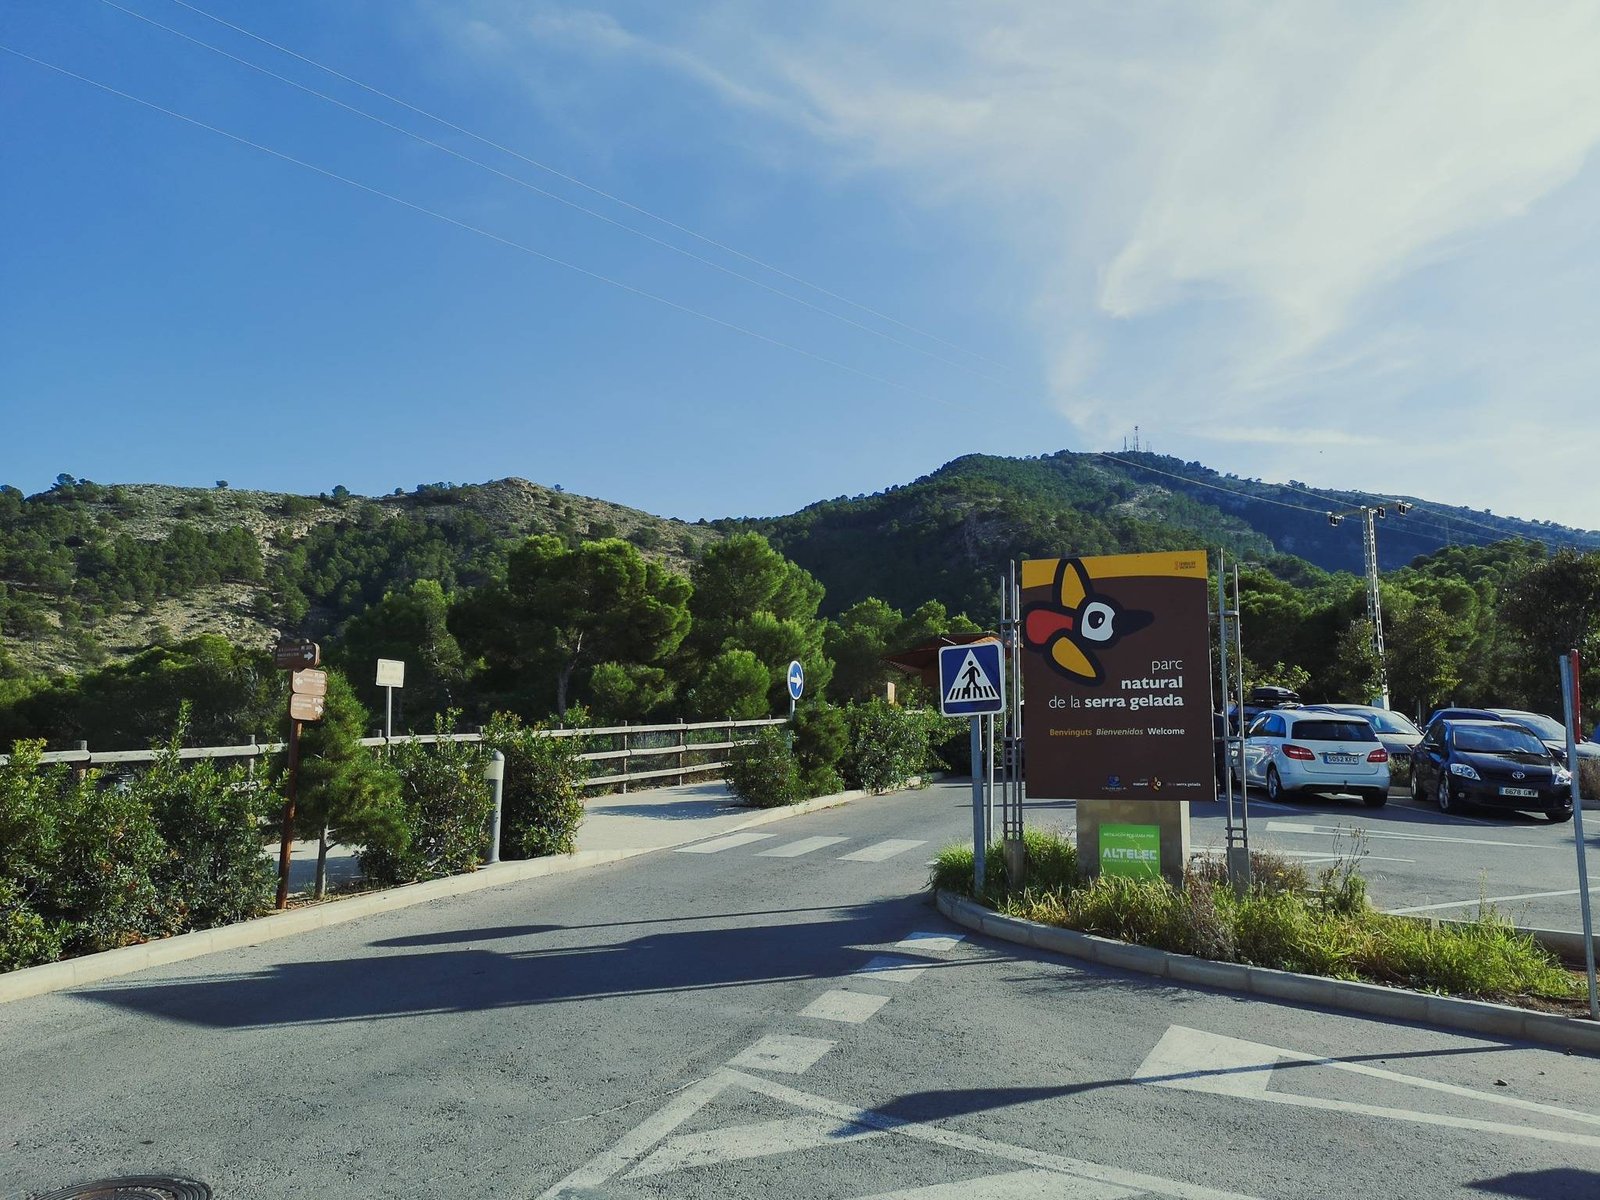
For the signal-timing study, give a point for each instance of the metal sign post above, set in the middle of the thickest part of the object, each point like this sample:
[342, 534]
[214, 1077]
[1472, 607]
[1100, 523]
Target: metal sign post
[1570, 705]
[391, 674]
[972, 683]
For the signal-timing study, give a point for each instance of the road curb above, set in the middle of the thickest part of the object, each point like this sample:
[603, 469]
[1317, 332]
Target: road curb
[108, 964]
[1474, 1016]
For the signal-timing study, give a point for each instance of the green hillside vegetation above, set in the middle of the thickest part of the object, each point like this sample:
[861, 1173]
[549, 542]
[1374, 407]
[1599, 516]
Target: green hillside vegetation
[117, 603]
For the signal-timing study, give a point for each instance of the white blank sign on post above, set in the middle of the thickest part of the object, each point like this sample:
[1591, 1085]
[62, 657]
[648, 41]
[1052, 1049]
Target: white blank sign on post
[391, 672]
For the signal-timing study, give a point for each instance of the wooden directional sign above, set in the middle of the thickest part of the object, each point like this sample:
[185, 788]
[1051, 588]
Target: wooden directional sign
[309, 683]
[305, 708]
[292, 656]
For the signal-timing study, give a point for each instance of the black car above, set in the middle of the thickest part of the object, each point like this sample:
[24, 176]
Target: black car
[1492, 763]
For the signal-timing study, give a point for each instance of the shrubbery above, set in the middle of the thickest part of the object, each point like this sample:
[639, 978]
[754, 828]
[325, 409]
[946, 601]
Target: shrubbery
[91, 865]
[764, 772]
[1286, 921]
[445, 804]
[542, 796]
[888, 744]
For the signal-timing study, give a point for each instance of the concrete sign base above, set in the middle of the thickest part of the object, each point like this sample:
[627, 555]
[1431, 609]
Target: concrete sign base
[1171, 817]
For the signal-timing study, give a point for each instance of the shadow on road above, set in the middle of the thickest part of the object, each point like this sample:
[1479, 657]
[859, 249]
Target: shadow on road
[535, 965]
[1554, 1183]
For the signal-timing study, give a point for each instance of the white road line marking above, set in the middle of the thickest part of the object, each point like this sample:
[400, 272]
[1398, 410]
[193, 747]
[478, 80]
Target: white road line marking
[1079, 1170]
[735, 1142]
[803, 846]
[1336, 831]
[639, 1140]
[1318, 856]
[852, 1008]
[717, 845]
[930, 942]
[882, 850]
[1196, 1061]
[783, 1052]
[1076, 1176]
[1416, 908]
[888, 966]
[1017, 1185]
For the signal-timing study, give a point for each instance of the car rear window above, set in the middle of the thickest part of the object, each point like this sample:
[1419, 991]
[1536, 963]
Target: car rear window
[1334, 731]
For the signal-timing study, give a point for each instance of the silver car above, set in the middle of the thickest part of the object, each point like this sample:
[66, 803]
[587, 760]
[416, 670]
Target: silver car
[1398, 735]
[1290, 751]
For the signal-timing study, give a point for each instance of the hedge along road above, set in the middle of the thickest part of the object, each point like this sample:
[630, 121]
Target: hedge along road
[778, 1011]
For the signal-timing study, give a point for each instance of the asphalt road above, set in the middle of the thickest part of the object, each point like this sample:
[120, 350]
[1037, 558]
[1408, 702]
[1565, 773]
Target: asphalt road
[744, 1023]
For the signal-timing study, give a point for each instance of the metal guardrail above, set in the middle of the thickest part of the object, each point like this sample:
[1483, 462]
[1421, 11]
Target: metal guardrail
[682, 749]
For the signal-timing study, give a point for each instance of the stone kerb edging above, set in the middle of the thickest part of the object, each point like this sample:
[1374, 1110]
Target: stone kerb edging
[108, 964]
[1475, 1016]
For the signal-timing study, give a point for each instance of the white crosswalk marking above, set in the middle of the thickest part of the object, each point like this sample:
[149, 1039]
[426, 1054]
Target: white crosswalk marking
[839, 1005]
[882, 850]
[803, 846]
[930, 941]
[717, 845]
[783, 1052]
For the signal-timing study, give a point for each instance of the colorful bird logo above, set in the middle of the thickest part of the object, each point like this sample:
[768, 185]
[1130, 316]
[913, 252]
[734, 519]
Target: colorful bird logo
[1078, 621]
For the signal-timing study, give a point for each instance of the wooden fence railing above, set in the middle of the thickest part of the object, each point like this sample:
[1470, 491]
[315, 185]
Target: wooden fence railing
[629, 747]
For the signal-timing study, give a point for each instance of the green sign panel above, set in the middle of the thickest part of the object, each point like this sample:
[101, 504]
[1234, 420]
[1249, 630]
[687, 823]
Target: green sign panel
[1133, 850]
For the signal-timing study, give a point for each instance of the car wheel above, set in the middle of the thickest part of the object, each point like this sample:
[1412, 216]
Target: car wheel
[1557, 815]
[1416, 787]
[1376, 798]
[1275, 791]
[1442, 794]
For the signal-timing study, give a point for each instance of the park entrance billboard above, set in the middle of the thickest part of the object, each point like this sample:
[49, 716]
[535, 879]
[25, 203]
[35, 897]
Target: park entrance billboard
[1116, 677]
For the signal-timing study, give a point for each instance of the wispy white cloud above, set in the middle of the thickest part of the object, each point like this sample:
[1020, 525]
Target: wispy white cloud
[1235, 222]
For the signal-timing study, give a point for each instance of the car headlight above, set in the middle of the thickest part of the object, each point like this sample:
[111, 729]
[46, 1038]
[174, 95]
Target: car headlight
[1563, 777]
[1463, 770]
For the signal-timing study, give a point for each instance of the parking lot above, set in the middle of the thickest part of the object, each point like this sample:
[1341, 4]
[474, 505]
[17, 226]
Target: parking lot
[1416, 859]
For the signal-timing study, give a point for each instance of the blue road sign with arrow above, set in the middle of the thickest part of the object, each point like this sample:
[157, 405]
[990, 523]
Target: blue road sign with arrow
[971, 681]
[797, 680]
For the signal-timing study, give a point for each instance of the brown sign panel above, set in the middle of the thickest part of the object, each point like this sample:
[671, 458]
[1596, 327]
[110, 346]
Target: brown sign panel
[1116, 677]
[309, 683]
[291, 656]
[305, 708]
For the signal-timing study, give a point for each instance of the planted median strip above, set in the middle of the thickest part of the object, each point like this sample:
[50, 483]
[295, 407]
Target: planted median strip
[1290, 921]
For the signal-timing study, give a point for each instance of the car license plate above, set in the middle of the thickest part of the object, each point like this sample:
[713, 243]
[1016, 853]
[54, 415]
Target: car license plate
[1341, 758]
[1531, 793]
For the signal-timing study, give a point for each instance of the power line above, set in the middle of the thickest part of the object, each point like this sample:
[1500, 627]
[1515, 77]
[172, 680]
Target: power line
[589, 187]
[1214, 487]
[1429, 508]
[481, 232]
[559, 199]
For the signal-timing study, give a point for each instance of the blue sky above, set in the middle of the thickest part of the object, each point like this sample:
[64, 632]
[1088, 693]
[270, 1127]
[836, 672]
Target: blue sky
[1348, 244]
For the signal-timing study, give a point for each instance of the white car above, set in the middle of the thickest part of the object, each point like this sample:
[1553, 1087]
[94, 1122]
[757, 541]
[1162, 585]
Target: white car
[1295, 750]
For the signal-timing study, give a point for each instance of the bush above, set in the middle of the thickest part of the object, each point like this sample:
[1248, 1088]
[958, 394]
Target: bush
[446, 804]
[110, 855]
[211, 821]
[888, 745]
[821, 737]
[542, 796]
[763, 772]
[1285, 922]
[26, 938]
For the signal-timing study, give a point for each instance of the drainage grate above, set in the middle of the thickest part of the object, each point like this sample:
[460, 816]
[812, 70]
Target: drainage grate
[133, 1187]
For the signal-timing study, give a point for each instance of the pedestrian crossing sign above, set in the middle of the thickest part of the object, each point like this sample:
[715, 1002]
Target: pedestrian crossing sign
[972, 682]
